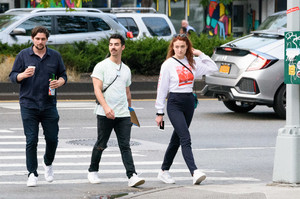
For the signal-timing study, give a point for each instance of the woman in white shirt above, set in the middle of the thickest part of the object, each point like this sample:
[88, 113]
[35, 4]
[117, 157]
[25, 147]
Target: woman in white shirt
[182, 65]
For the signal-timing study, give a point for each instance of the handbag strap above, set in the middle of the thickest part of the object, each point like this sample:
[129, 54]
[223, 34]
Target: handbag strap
[183, 65]
[110, 83]
[113, 80]
[186, 68]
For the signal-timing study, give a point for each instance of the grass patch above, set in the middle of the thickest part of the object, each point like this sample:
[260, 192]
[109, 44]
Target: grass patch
[6, 64]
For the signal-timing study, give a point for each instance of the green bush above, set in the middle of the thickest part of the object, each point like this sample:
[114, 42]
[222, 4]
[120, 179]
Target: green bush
[82, 56]
[206, 43]
[13, 50]
[143, 56]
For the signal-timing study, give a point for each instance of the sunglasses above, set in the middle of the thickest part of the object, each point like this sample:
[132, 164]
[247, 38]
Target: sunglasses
[180, 35]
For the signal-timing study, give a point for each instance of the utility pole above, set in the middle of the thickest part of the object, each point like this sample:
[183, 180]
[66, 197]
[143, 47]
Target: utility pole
[287, 152]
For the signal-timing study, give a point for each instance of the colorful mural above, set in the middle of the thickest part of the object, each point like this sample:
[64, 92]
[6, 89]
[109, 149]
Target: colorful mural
[218, 19]
[55, 4]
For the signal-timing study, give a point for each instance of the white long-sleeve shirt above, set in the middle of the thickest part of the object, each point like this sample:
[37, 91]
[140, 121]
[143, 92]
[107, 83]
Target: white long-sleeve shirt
[175, 78]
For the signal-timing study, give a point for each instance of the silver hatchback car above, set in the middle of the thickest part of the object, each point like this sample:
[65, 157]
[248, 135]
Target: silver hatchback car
[251, 69]
[83, 24]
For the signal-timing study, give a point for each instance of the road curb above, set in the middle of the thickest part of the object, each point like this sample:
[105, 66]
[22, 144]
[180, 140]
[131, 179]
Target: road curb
[85, 90]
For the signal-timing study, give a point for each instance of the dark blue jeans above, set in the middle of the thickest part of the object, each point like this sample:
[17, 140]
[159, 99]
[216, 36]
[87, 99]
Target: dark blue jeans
[122, 128]
[180, 109]
[49, 120]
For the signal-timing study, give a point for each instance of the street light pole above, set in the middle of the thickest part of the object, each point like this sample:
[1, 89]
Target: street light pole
[287, 152]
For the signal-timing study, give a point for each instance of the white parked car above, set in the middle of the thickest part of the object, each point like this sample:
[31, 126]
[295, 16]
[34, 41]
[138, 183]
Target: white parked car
[85, 24]
[145, 22]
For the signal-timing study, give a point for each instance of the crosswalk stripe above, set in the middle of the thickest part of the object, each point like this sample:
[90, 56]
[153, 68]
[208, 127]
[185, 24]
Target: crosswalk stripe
[43, 149]
[73, 164]
[67, 156]
[5, 131]
[148, 179]
[102, 171]
[16, 143]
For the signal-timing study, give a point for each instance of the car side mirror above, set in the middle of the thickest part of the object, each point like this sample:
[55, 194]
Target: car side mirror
[18, 31]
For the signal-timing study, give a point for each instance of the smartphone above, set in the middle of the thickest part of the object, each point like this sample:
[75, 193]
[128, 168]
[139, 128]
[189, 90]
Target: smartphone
[162, 126]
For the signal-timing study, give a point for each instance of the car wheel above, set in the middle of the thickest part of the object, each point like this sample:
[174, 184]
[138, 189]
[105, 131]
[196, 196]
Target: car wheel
[239, 107]
[280, 102]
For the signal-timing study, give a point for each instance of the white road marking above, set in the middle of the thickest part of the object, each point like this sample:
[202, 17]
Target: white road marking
[102, 171]
[65, 156]
[148, 179]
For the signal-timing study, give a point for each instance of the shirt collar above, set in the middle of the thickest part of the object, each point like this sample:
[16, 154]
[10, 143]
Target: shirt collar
[32, 53]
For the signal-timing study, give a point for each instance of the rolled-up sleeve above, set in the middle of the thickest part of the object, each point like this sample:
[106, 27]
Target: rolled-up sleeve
[62, 69]
[17, 68]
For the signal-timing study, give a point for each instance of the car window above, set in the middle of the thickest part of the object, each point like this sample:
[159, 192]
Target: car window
[274, 22]
[31, 23]
[72, 24]
[6, 20]
[254, 42]
[98, 24]
[157, 26]
[129, 24]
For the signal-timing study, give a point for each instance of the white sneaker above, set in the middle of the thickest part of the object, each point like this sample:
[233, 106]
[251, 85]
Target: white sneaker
[165, 177]
[198, 177]
[135, 181]
[48, 173]
[32, 180]
[93, 177]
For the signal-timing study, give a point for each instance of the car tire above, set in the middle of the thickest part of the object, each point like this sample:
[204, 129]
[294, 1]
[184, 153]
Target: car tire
[243, 107]
[280, 102]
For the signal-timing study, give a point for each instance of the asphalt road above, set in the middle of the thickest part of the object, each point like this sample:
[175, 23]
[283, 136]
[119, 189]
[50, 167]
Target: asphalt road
[231, 148]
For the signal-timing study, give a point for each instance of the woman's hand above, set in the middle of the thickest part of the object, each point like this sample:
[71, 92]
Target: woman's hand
[159, 120]
[196, 52]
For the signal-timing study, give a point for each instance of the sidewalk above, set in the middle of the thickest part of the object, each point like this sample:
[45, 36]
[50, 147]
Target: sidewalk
[232, 191]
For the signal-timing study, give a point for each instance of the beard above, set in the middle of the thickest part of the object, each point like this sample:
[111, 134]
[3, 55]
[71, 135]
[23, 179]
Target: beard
[39, 47]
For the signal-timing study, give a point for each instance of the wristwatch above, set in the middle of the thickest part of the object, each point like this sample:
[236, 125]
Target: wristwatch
[161, 114]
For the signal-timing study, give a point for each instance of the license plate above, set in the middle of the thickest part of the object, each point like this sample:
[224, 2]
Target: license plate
[225, 68]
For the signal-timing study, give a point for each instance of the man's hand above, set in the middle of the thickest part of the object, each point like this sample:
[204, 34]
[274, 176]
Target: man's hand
[56, 83]
[110, 114]
[29, 72]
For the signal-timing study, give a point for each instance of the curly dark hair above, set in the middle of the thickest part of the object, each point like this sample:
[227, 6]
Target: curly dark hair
[118, 36]
[39, 29]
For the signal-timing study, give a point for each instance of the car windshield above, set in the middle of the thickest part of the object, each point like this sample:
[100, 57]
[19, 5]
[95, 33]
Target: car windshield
[274, 22]
[253, 41]
[6, 20]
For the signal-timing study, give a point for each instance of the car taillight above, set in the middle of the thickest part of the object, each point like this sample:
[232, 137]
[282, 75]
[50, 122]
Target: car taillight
[228, 49]
[129, 34]
[260, 62]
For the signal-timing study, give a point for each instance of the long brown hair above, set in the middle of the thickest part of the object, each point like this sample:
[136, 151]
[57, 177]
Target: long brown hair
[189, 53]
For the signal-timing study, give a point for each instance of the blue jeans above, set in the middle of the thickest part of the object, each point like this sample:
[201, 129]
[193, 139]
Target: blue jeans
[122, 128]
[49, 120]
[180, 109]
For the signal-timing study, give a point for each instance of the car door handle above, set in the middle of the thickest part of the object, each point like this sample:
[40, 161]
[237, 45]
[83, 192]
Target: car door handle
[90, 38]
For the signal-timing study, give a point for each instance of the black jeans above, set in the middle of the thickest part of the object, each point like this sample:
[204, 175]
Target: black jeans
[180, 109]
[49, 119]
[122, 128]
